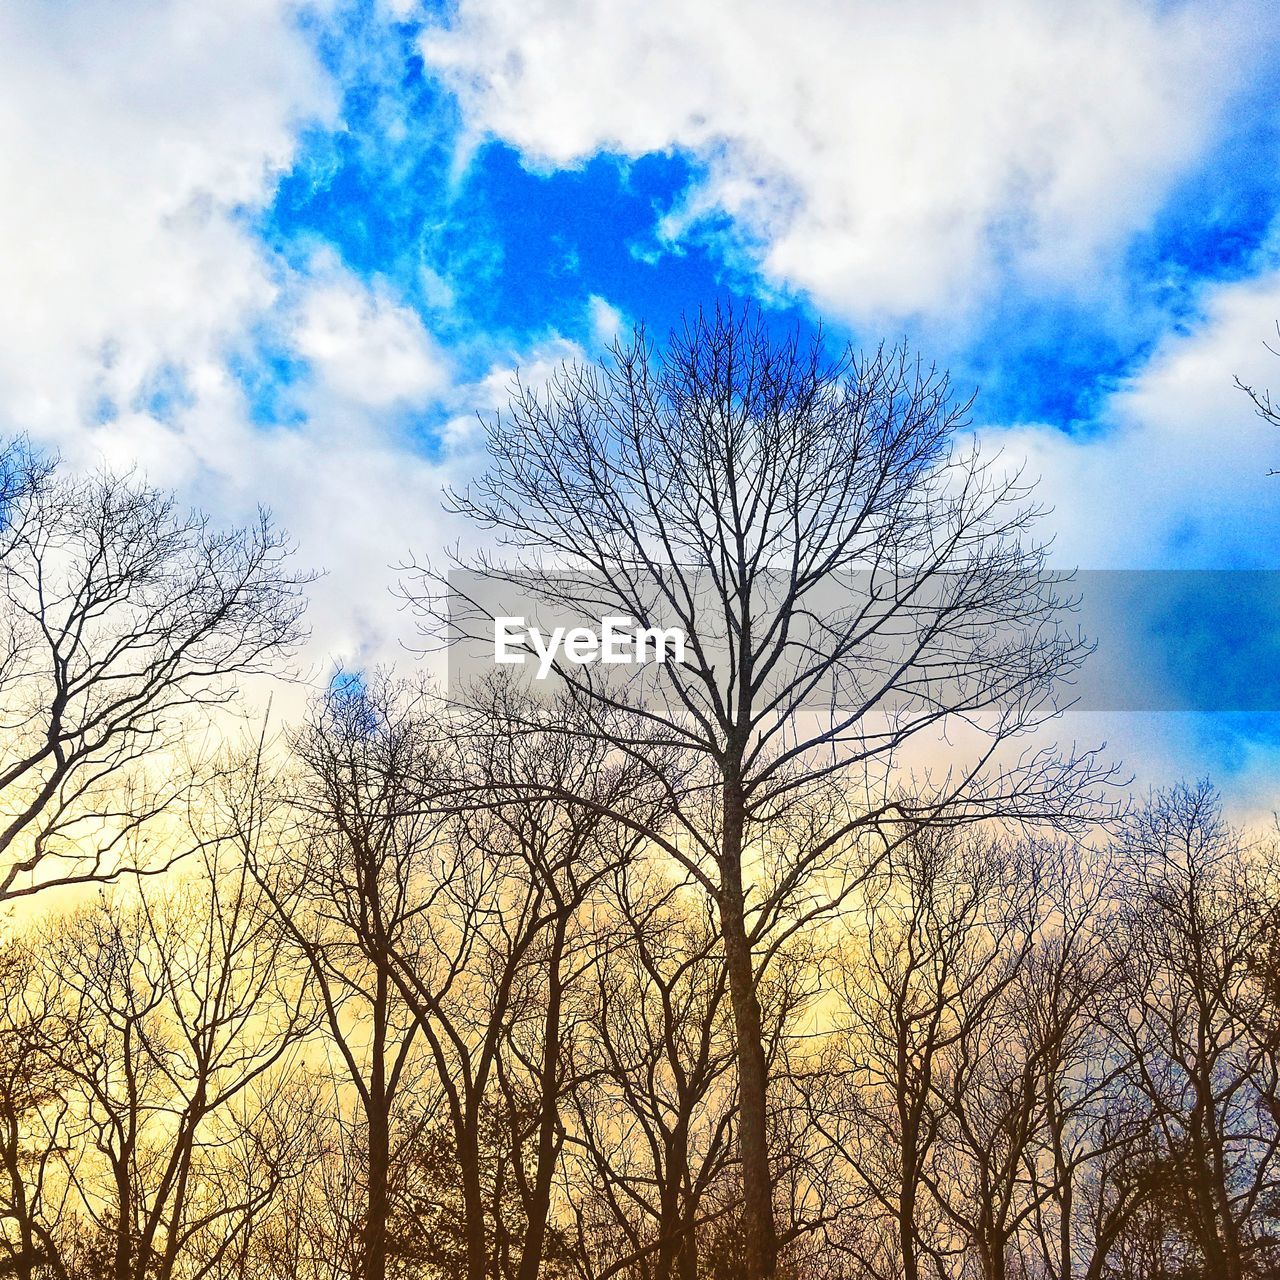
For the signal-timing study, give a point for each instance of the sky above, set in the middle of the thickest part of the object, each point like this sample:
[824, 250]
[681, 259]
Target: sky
[283, 253]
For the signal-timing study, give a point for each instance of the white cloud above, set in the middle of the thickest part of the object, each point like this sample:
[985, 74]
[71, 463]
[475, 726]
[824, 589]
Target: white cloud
[364, 347]
[463, 434]
[131, 138]
[1177, 480]
[887, 158]
[137, 141]
[1178, 476]
[607, 322]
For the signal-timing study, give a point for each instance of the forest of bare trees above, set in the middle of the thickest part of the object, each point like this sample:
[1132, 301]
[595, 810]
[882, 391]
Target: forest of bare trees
[810, 956]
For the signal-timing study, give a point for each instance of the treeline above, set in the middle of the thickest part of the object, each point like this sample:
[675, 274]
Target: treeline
[807, 956]
[371, 1032]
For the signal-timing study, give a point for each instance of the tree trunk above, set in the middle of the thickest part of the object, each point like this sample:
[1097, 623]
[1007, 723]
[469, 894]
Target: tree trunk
[375, 1226]
[123, 1261]
[378, 1119]
[760, 1246]
[538, 1210]
[473, 1196]
[907, 1234]
[910, 1183]
[1066, 1211]
[1204, 1192]
[687, 1263]
[991, 1254]
[677, 1255]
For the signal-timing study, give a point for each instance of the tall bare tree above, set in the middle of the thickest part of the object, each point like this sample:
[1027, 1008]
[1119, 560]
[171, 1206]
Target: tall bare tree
[1200, 916]
[653, 1105]
[491, 966]
[121, 615]
[337, 845]
[851, 582]
[35, 1101]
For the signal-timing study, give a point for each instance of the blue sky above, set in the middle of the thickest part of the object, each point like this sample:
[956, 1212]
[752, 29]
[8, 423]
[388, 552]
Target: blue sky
[522, 246]
[283, 251]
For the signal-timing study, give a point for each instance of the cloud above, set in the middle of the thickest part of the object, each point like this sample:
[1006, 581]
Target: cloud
[363, 346]
[1174, 476]
[885, 158]
[1175, 473]
[463, 434]
[134, 138]
[879, 157]
[137, 143]
[606, 322]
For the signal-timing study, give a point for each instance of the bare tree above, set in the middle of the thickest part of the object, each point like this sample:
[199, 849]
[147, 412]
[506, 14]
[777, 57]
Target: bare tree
[34, 1106]
[1200, 914]
[445, 928]
[177, 1019]
[336, 845]
[120, 616]
[1000, 1096]
[504, 932]
[653, 1105]
[850, 583]
[926, 942]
